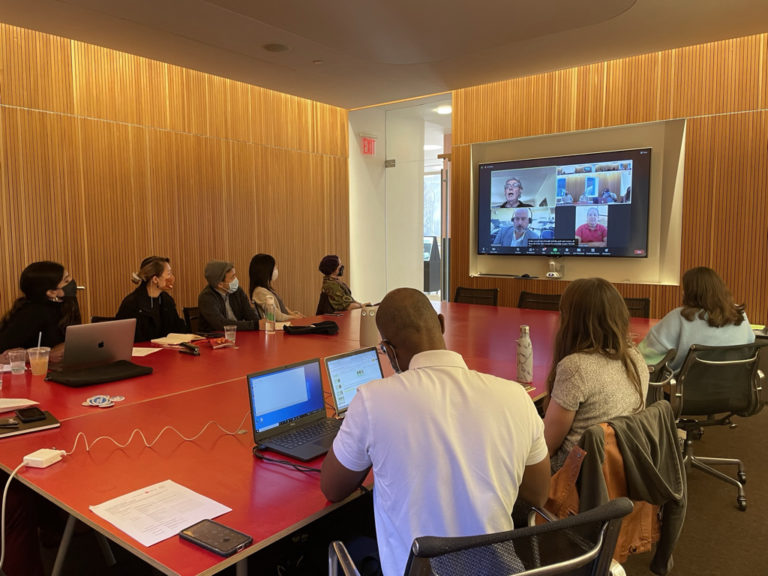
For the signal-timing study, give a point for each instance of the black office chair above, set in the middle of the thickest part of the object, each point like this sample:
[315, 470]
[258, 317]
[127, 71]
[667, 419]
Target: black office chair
[95, 319]
[714, 384]
[192, 318]
[533, 301]
[324, 305]
[486, 296]
[638, 307]
[577, 545]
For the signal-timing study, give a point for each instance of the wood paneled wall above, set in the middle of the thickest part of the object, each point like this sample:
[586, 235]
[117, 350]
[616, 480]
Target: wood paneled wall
[107, 158]
[721, 88]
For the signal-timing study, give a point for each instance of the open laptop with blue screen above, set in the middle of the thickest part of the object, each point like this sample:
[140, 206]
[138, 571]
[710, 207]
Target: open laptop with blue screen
[348, 371]
[288, 411]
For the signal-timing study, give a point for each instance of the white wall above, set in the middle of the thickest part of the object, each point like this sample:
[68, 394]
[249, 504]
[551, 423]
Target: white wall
[367, 207]
[405, 200]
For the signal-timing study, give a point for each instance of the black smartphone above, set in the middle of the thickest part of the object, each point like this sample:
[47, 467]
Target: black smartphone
[216, 537]
[31, 414]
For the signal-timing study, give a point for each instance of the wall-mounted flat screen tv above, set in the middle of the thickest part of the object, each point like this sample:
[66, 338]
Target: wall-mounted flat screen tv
[578, 205]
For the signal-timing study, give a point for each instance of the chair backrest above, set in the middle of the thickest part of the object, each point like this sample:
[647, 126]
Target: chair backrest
[487, 296]
[580, 544]
[95, 319]
[534, 301]
[324, 305]
[719, 380]
[192, 318]
[638, 307]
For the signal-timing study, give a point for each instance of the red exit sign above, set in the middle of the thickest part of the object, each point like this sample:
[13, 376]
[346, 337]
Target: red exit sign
[368, 146]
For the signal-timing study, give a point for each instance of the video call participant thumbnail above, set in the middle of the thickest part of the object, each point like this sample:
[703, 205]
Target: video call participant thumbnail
[592, 233]
[518, 234]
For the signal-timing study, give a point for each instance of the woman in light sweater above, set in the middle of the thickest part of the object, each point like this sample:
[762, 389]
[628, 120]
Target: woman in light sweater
[708, 316]
[597, 373]
[262, 272]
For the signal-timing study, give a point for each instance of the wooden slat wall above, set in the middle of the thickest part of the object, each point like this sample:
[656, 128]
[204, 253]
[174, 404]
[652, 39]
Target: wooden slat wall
[721, 88]
[106, 158]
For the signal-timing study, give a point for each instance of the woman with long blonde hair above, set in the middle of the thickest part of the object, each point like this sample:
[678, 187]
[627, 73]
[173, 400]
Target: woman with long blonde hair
[597, 373]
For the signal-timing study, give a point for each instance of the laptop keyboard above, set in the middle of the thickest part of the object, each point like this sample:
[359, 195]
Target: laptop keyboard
[312, 433]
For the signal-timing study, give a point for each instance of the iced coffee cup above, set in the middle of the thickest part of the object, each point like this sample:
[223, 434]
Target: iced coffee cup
[38, 360]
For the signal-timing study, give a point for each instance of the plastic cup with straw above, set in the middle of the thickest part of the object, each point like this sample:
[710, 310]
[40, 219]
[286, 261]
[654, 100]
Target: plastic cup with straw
[38, 358]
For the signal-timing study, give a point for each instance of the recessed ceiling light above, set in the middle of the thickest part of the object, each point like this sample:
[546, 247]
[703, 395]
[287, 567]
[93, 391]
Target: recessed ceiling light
[444, 109]
[318, 62]
[275, 47]
[432, 147]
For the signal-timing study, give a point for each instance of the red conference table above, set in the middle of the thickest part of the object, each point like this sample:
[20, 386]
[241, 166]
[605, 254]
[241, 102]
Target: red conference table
[268, 501]
[176, 373]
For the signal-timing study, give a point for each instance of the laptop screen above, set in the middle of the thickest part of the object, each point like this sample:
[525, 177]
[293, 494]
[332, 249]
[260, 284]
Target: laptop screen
[284, 394]
[348, 371]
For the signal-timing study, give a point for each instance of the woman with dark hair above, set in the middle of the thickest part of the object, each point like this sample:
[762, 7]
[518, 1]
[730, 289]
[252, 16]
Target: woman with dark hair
[150, 303]
[597, 373]
[336, 291]
[261, 273]
[39, 313]
[708, 316]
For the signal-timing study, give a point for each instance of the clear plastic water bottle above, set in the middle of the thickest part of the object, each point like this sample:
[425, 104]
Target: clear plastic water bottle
[269, 315]
[524, 356]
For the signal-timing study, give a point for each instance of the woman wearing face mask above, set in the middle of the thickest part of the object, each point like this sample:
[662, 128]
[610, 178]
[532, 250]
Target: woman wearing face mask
[40, 312]
[150, 303]
[262, 272]
[338, 293]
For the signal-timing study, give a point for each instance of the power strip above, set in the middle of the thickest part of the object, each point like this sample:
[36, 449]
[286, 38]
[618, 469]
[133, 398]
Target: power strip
[43, 458]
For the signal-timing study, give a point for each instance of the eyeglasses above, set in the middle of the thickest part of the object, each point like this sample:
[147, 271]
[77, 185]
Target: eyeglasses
[511, 186]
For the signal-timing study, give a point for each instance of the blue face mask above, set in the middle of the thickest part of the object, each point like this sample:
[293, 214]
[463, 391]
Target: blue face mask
[233, 286]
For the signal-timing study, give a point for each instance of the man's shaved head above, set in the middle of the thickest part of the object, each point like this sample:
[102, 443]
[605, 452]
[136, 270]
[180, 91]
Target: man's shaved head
[407, 319]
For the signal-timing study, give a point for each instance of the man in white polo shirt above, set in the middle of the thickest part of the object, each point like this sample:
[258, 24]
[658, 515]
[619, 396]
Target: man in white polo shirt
[451, 449]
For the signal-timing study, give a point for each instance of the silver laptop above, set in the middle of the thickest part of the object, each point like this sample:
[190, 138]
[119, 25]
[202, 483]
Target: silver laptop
[348, 371]
[97, 344]
[288, 411]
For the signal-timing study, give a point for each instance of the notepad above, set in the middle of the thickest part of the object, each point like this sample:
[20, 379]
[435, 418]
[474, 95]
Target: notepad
[174, 339]
[47, 423]
[10, 404]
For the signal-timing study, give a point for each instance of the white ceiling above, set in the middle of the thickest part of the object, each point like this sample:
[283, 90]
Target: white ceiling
[354, 53]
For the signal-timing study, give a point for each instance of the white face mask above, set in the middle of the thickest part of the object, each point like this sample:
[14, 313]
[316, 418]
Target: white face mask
[233, 286]
[274, 274]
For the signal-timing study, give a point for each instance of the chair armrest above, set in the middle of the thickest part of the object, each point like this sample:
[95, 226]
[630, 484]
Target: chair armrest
[339, 556]
[536, 511]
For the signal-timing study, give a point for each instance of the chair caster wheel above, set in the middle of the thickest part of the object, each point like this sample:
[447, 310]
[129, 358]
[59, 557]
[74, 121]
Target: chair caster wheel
[742, 502]
[742, 476]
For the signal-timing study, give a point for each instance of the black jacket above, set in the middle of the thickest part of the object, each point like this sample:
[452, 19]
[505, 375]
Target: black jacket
[24, 326]
[155, 317]
[213, 313]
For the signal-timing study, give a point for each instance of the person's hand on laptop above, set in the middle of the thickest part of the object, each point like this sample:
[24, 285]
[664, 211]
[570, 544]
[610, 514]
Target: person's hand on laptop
[57, 353]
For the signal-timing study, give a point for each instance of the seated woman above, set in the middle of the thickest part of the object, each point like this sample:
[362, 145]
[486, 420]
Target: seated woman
[262, 272]
[708, 316]
[597, 373]
[40, 313]
[338, 293]
[150, 303]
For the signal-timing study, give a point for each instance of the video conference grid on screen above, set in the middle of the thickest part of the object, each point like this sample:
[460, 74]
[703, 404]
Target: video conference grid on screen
[577, 205]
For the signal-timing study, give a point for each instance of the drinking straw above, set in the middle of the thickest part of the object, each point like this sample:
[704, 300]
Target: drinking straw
[39, 338]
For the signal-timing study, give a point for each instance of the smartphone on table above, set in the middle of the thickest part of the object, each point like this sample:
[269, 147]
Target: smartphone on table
[216, 537]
